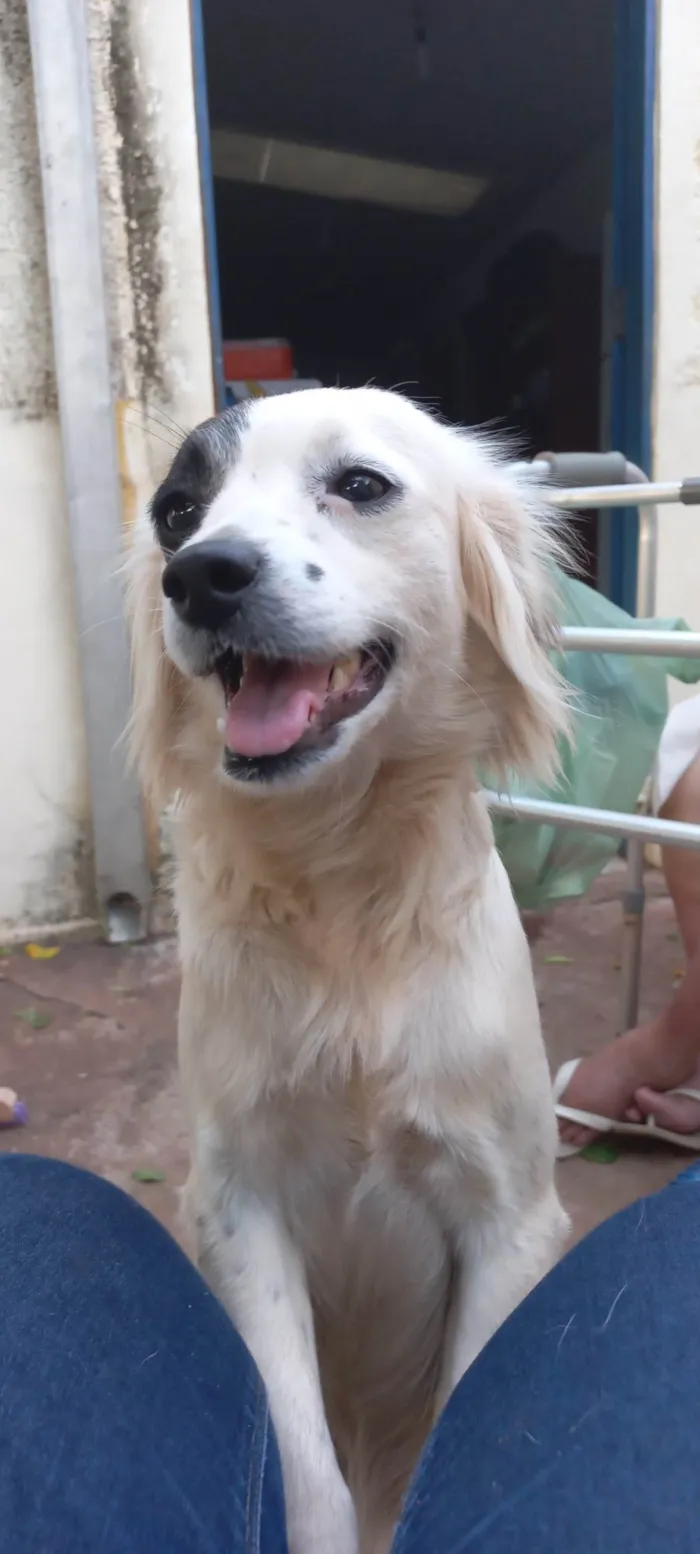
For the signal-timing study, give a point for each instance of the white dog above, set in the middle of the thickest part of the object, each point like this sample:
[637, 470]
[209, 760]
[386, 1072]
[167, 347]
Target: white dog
[339, 607]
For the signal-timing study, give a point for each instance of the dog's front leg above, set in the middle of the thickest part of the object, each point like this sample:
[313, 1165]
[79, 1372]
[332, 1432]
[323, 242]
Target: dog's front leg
[497, 1265]
[249, 1258]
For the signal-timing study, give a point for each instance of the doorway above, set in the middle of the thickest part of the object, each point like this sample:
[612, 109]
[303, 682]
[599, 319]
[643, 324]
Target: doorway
[418, 195]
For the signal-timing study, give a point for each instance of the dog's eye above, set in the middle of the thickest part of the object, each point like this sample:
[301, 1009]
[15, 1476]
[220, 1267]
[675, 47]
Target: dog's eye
[360, 486]
[177, 516]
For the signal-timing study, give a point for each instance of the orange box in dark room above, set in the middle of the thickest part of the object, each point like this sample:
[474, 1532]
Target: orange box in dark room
[257, 359]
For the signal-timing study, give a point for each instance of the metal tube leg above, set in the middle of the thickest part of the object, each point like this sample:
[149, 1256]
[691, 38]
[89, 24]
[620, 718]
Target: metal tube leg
[633, 910]
[604, 822]
[634, 898]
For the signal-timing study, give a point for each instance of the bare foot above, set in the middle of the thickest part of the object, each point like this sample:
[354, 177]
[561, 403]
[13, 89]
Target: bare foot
[678, 1113]
[612, 1082]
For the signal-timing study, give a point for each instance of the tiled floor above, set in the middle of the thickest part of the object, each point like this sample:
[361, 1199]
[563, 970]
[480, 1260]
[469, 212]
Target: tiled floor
[87, 1039]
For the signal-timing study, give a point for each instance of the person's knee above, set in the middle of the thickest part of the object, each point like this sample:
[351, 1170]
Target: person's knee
[90, 1235]
[40, 1169]
[42, 1180]
[41, 1196]
[682, 865]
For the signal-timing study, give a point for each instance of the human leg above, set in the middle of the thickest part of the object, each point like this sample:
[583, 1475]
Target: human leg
[682, 1025]
[630, 1078]
[132, 1418]
[574, 1429]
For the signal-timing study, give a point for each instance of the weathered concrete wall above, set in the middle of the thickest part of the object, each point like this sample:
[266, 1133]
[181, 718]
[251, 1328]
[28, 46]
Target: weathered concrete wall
[676, 410]
[153, 233]
[161, 361]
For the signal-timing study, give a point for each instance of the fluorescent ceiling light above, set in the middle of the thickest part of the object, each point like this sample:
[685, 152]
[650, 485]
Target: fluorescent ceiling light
[342, 175]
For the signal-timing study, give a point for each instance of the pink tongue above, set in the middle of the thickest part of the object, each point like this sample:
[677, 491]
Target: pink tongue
[274, 706]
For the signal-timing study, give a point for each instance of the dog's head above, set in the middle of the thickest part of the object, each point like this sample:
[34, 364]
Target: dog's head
[333, 571]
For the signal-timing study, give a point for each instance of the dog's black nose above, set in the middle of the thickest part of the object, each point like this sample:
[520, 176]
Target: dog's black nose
[204, 582]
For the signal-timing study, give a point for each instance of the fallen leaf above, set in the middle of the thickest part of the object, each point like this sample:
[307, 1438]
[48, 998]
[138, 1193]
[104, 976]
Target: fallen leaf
[5, 952]
[42, 951]
[37, 1018]
[148, 1174]
[558, 960]
[603, 1154]
[672, 936]
[679, 971]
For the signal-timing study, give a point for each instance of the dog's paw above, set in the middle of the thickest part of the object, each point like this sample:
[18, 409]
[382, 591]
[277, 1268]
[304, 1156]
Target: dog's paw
[326, 1523]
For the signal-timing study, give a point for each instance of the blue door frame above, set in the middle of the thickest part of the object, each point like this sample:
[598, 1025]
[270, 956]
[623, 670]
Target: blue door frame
[633, 271]
[206, 179]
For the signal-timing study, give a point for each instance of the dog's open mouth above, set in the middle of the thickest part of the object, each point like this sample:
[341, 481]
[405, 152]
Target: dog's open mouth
[276, 707]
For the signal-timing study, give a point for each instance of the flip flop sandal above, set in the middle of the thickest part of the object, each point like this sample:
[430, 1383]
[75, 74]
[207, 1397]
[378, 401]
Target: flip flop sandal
[646, 1130]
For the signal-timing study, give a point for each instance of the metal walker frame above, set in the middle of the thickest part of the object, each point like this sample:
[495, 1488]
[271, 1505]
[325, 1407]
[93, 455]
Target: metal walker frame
[608, 480]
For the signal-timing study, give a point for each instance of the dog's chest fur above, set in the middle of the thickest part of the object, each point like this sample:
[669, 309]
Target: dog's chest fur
[343, 1046]
[355, 1191]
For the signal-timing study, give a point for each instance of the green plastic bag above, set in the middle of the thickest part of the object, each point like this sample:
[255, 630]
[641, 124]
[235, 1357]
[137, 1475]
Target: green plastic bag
[620, 707]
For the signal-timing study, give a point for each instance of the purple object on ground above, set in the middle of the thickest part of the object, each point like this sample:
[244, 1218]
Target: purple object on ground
[13, 1112]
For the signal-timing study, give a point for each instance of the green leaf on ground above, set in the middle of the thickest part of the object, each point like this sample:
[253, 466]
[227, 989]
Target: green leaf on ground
[558, 960]
[148, 1174]
[603, 1154]
[37, 1018]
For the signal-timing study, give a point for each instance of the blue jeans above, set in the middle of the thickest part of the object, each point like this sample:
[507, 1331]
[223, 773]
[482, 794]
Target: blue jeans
[133, 1419]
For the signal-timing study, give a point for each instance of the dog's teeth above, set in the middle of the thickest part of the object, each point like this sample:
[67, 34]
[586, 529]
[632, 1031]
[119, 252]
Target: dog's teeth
[343, 673]
[338, 679]
[220, 725]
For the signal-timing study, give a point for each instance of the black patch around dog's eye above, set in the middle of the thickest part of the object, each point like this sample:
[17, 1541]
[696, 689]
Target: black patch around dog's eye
[314, 572]
[196, 476]
[363, 487]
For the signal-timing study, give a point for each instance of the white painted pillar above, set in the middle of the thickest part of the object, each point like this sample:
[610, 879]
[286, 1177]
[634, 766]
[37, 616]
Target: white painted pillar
[676, 398]
[159, 356]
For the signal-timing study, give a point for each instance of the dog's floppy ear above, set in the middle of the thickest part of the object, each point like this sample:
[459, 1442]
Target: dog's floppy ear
[508, 546]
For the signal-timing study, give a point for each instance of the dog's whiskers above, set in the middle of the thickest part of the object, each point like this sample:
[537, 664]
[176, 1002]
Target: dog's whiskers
[166, 418]
[139, 426]
[160, 417]
[109, 620]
